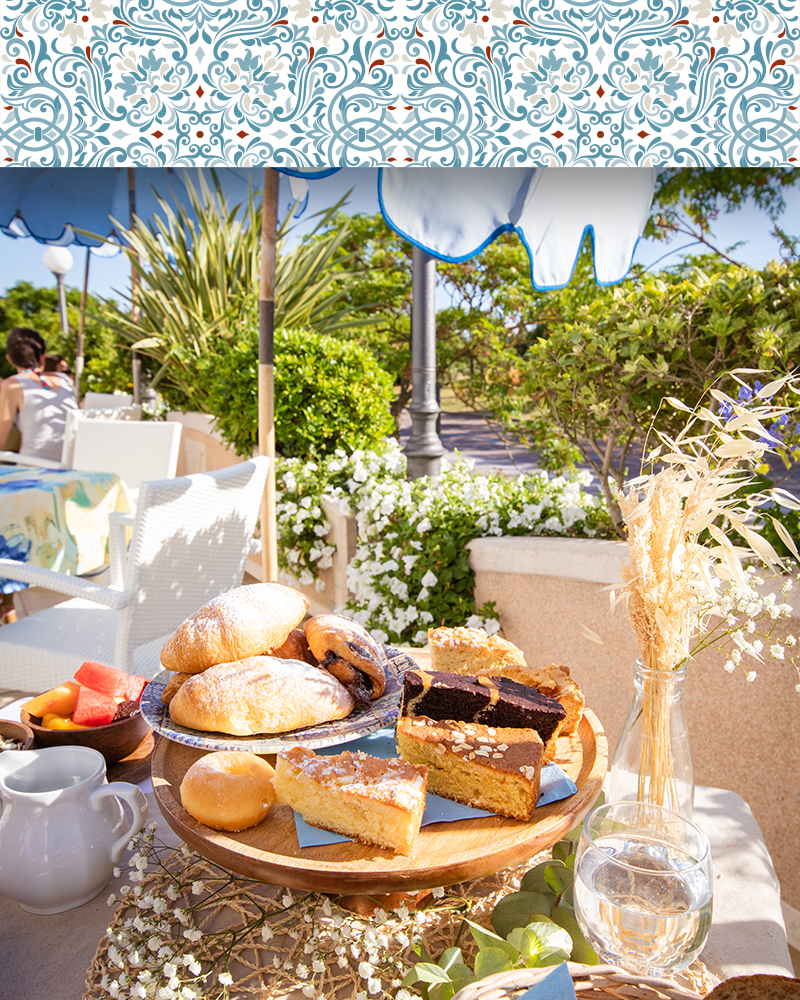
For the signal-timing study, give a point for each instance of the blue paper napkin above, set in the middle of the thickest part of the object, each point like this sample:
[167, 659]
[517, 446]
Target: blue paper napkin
[555, 785]
[556, 985]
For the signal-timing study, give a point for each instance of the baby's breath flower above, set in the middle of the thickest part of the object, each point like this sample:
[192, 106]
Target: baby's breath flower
[225, 979]
[750, 675]
[438, 892]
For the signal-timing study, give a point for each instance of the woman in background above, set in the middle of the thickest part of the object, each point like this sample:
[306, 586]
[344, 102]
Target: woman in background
[36, 400]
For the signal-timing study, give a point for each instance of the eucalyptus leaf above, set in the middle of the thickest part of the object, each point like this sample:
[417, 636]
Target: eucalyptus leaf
[544, 942]
[491, 960]
[534, 880]
[486, 939]
[559, 878]
[582, 951]
[562, 850]
[427, 972]
[450, 957]
[517, 909]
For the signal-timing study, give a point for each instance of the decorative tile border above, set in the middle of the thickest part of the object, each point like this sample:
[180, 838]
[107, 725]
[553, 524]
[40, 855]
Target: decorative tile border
[369, 82]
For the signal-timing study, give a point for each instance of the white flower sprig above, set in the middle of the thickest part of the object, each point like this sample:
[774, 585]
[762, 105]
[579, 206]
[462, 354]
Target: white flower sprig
[185, 929]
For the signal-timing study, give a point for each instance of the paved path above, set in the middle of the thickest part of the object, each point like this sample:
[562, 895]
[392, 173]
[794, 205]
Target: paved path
[469, 434]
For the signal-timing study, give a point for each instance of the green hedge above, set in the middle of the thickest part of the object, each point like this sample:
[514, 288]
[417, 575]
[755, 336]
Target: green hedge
[329, 394]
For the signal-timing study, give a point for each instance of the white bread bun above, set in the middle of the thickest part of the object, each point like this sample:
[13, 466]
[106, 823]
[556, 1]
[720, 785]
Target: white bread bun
[228, 790]
[247, 621]
[260, 694]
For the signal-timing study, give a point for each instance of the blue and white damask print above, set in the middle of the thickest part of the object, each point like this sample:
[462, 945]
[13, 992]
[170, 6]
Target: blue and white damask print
[369, 82]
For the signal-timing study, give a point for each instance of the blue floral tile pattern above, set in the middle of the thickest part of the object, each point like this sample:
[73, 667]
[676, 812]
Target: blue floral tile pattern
[370, 82]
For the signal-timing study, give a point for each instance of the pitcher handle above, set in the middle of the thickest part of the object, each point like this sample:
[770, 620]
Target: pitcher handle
[135, 799]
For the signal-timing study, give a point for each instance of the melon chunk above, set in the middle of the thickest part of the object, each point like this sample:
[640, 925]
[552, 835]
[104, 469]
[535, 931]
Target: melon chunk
[59, 701]
[59, 722]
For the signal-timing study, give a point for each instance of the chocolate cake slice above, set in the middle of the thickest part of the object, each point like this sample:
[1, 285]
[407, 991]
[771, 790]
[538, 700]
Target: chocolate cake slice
[490, 701]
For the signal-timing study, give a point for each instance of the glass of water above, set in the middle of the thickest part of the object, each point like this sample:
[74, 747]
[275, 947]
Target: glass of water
[643, 887]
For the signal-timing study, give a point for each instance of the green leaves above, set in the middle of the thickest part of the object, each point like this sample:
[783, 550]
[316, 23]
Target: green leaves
[518, 909]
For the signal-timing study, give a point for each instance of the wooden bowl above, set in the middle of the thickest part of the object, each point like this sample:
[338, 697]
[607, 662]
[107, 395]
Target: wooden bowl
[114, 741]
[18, 732]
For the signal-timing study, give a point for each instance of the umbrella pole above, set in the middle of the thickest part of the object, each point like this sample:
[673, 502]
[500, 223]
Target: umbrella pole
[136, 361]
[266, 372]
[423, 449]
[80, 343]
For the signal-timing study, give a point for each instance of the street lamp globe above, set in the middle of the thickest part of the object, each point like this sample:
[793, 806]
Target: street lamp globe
[58, 260]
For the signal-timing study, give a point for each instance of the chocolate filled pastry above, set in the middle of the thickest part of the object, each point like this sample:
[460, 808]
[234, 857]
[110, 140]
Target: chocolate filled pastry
[295, 648]
[349, 652]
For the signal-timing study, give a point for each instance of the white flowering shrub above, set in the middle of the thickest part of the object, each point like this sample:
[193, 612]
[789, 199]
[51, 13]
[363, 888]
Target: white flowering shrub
[411, 570]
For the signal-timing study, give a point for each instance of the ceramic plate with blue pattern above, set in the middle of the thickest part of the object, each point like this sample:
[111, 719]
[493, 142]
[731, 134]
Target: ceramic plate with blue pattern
[362, 720]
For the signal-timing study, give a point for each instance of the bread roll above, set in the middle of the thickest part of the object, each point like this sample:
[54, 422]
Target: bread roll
[247, 621]
[758, 987]
[260, 694]
[229, 790]
[172, 687]
[349, 652]
[295, 648]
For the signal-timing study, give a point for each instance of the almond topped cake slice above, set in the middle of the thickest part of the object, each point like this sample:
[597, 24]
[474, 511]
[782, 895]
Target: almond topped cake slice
[374, 801]
[488, 768]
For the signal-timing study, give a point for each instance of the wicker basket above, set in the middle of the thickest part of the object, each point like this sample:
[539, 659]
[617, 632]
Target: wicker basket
[592, 982]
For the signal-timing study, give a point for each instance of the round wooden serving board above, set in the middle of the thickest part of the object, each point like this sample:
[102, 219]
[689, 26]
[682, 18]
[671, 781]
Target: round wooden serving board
[445, 852]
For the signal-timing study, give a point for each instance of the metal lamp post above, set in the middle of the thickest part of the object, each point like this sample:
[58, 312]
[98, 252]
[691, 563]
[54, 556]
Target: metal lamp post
[424, 449]
[59, 261]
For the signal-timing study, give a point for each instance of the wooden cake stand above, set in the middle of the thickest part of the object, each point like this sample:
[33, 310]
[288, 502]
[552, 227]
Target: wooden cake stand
[445, 852]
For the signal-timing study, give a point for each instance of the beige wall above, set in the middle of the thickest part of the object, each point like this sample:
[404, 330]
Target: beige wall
[202, 448]
[744, 736]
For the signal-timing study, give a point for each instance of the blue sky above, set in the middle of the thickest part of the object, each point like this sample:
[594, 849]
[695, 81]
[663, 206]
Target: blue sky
[22, 258]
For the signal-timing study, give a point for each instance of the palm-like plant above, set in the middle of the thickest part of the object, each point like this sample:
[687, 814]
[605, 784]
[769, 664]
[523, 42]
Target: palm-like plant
[199, 279]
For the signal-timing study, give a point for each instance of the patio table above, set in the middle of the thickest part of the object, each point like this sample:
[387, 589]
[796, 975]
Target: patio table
[57, 519]
[49, 955]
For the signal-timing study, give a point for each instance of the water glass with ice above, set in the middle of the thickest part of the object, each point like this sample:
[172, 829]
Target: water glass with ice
[643, 887]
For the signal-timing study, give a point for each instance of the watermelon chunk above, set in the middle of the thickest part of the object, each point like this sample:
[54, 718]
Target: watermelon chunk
[93, 708]
[134, 687]
[106, 680]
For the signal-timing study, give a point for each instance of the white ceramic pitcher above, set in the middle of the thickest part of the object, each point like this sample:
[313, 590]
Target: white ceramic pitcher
[62, 828]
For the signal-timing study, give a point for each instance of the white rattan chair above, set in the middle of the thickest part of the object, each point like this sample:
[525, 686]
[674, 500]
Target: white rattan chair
[190, 540]
[74, 417]
[106, 400]
[137, 450]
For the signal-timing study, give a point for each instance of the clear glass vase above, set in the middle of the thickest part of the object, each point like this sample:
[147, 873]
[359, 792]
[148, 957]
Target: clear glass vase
[653, 759]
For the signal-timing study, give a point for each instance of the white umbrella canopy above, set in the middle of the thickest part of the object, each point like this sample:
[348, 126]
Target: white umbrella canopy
[454, 213]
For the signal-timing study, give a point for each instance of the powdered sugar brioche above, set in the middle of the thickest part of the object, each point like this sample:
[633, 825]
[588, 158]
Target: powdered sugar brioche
[375, 801]
[247, 621]
[259, 694]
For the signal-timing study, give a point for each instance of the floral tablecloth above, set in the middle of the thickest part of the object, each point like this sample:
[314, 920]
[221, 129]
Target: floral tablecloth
[57, 519]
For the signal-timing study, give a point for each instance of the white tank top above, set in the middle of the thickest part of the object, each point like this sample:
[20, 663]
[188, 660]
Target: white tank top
[42, 418]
